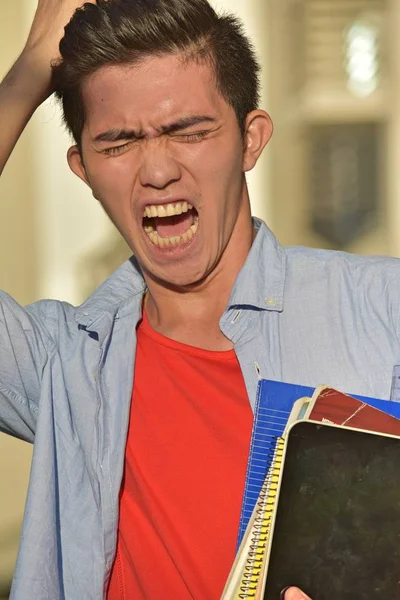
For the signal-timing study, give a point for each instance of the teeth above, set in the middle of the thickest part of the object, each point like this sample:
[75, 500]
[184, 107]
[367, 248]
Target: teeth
[166, 210]
[172, 242]
[161, 212]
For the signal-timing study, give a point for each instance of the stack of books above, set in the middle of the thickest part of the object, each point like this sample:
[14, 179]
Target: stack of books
[321, 507]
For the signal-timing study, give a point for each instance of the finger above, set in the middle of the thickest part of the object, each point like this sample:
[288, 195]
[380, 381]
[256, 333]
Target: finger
[293, 593]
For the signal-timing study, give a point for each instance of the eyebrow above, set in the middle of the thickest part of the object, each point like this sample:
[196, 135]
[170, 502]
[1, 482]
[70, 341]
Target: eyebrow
[116, 135]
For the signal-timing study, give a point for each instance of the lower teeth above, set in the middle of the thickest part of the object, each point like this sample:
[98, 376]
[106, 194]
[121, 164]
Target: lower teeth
[171, 242]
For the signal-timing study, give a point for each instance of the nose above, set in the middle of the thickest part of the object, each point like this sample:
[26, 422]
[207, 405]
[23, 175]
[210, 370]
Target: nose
[158, 168]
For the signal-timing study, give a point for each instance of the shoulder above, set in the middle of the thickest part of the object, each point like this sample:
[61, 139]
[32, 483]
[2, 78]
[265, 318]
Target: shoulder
[369, 285]
[52, 316]
[308, 263]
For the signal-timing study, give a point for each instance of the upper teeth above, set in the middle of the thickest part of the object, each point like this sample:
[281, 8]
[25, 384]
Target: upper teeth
[166, 210]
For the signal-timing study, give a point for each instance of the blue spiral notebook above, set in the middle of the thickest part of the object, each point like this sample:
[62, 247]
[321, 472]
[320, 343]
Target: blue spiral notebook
[275, 401]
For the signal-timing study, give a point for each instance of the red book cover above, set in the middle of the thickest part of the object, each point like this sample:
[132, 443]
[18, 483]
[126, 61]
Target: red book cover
[332, 406]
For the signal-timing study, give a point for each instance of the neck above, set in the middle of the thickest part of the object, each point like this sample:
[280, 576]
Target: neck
[191, 315]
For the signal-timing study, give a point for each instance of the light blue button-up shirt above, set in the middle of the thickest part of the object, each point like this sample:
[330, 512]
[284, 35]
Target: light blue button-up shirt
[295, 314]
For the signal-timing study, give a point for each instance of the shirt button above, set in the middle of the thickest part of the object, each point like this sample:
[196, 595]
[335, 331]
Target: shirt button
[270, 302]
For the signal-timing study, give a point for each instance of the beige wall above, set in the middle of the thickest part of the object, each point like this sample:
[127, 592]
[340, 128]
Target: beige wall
[18, 203]
[18, 275]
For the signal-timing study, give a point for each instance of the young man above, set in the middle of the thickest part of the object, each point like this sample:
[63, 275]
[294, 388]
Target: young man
[139, 401]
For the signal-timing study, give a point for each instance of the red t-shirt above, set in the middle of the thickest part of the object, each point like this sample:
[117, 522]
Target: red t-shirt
[185, 465]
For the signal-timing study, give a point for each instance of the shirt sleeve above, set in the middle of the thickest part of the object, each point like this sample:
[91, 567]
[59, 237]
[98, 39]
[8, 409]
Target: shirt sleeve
[25, 347]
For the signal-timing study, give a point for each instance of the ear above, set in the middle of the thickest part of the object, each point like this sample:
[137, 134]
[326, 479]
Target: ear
[258, 132]
[76, 165]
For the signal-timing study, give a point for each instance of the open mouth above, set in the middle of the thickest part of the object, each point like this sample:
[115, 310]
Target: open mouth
[170, 225]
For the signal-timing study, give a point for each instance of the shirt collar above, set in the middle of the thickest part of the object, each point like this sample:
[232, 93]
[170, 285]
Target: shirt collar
[260, 283]
[114, 295]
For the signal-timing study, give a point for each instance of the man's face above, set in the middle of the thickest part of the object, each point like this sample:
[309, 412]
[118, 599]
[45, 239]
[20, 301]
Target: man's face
[163, 153]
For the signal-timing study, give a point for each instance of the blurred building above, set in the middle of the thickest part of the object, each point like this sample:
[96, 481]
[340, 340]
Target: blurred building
[329, 177]
[333, 93]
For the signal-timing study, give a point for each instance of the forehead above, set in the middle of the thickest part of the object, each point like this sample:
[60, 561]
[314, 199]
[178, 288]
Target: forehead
[150, 94]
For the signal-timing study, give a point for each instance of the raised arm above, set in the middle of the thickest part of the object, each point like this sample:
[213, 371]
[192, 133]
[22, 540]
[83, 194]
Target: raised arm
[27, 84]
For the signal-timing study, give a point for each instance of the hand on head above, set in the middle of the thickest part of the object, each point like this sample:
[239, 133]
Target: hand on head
[46, 32]
[29, 81]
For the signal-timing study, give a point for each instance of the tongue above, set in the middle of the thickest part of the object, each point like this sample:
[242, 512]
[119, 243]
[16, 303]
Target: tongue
[173, 226]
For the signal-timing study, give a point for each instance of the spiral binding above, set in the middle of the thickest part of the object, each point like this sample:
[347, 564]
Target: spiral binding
[262, 525]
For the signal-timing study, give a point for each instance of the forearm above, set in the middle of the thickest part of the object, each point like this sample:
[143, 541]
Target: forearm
[23, 89]
[28, 83]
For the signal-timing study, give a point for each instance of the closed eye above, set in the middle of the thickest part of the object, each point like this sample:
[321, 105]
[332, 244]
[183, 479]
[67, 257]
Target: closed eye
[190, 137]
[116, 149]
[181, 137]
